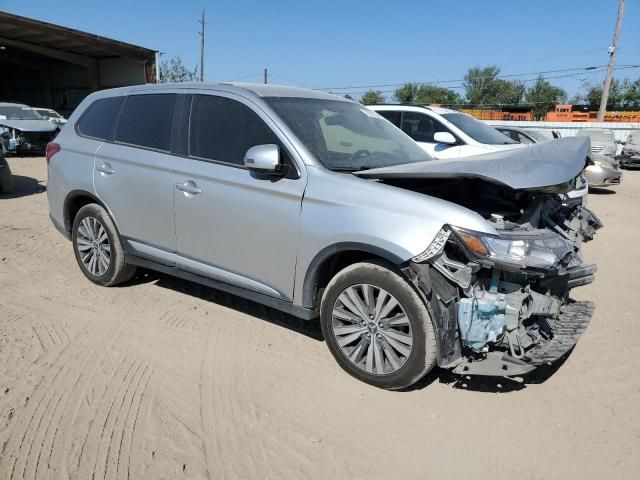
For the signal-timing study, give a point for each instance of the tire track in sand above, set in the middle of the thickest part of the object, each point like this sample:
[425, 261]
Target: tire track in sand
[65, 383]
[228, 412]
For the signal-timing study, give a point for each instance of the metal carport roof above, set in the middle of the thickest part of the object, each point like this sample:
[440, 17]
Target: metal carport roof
[22, 32]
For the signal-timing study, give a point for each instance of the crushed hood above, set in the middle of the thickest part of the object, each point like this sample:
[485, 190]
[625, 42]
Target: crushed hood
[540, 165]
[29, 125]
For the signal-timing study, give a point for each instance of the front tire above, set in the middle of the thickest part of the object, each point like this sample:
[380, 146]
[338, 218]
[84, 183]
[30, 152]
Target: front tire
[377, 327]
[98, 248]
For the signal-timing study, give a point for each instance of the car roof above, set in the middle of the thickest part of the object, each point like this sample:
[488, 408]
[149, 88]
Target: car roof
[258, 89]
[412, 108]
[7, 104]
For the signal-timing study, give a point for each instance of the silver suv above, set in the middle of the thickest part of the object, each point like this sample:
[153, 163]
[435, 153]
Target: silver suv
[317, 206]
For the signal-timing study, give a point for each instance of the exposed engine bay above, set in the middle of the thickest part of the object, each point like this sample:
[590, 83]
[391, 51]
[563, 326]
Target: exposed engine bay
[501, 303]
[511, 302]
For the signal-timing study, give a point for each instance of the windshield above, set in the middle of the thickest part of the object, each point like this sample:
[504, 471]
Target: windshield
[598, 135]
[477, 130]
[19, 113]
[344, 135]
[48, 113]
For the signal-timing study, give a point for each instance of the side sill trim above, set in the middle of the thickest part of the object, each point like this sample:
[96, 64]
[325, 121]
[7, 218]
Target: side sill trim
[278, 304]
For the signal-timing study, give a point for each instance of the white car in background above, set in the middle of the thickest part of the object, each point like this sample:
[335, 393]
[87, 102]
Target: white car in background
[51, 115]
[450, 134]
[445, 133]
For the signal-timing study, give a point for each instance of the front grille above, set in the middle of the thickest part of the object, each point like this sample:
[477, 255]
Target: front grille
[597, 148]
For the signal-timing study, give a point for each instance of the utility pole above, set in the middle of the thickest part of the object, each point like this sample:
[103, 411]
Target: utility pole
[201, 32]
[612, 61]
[266, 76]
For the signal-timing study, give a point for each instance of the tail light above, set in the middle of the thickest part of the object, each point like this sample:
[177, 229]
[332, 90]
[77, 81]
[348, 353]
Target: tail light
[52, 149]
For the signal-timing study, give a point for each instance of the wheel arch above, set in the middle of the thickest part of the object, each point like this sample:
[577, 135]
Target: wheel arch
[74, 201]
[334, 258]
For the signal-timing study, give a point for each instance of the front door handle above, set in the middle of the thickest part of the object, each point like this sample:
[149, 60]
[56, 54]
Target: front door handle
[189, 187]
[106, 169]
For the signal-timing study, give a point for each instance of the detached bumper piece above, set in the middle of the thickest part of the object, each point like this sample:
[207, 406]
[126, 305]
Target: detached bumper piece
[566, 330]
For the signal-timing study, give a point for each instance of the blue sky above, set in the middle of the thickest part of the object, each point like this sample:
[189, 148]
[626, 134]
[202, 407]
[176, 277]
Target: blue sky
[361, 43]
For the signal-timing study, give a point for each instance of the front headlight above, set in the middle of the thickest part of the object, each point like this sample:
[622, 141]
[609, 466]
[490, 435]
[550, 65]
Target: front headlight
[543, 249]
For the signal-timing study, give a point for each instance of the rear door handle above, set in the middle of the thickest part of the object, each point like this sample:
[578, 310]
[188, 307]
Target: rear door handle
[106, 169]
[189, 187]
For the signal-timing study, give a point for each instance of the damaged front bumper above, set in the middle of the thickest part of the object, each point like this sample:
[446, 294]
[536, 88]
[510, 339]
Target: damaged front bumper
[570, 323]
[501, 319]
[17, 141]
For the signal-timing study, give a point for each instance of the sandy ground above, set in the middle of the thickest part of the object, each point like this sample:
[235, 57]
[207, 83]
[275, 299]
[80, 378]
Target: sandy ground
[166, 379]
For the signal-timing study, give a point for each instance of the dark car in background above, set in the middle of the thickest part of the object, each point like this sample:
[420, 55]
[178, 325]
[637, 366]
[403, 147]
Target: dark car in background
[24, 130]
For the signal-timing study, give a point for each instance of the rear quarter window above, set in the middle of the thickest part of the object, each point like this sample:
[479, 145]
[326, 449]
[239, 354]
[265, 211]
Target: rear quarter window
[97, 120]
[146, 121]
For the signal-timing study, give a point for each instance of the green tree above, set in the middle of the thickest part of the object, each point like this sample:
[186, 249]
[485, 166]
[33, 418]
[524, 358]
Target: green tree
[483, 87]
[543, 95]
[372, 97]
[594, 95]
[173, 70]
[406, 93]
[427, 94]
[631, 93]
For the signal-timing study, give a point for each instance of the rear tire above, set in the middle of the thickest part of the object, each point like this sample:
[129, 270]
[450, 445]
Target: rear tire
[98, 248]
[391, 349]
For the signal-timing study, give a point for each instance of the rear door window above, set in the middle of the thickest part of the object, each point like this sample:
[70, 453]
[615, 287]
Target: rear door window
[421, 127]
[146, 121]
[393, 116]
[97, 121]
[223, 130]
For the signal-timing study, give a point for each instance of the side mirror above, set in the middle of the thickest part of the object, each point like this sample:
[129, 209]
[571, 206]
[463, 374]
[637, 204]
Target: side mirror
[263, 159]
[444, 137]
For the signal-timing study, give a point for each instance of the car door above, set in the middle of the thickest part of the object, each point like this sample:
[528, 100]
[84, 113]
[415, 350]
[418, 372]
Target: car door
[422, 127]
[133, 175]
[233, 225]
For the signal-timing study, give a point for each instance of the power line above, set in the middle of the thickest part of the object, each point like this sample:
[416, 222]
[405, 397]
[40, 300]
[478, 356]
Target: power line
[414, 75]
[365, 88]
[462, 79]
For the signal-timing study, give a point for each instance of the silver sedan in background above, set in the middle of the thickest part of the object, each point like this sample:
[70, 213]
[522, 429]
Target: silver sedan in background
[601, 171]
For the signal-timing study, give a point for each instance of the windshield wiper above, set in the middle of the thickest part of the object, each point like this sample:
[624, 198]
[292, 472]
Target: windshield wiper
[350, 169]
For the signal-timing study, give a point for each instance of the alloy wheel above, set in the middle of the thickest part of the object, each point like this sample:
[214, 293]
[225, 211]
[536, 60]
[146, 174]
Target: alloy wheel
[372, 329]
[93, 247]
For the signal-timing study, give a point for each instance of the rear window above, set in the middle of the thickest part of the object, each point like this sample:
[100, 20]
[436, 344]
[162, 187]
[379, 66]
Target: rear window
[146, 121]
[98, 119]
